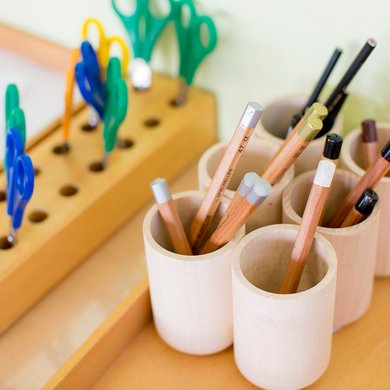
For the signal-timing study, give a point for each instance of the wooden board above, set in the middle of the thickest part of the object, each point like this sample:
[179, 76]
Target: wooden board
[360, 359]
[166, 139]
[35, 347]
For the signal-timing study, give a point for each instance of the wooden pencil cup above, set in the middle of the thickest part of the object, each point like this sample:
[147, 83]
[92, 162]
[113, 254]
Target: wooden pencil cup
[191, 295]
[275, 121]
[282, 341]
[355, 245]
[352, 160]
[255, 157]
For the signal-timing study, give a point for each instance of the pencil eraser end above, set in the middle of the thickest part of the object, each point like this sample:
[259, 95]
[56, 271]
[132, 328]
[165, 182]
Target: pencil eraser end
[160, 190]
[332, 147]
[324, 173]
[141, 74]
[251, 115]
[369, 133]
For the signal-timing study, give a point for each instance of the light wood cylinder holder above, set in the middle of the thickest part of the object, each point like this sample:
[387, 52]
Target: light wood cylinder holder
[355, 245]
[159, 140]
[255, 157]
[282, 341]
[352, 160]
[275, 121]
[191, 295]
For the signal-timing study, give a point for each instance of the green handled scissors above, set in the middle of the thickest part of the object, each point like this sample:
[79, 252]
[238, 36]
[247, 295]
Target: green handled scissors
[14, 115]
[143, 29]
[116, 103]
[192, 48]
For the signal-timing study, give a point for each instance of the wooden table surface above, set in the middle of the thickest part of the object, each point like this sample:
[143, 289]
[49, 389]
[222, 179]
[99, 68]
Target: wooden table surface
[37, 345]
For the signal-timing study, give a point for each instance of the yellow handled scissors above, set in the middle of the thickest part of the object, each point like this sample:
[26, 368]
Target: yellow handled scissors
[103, 51]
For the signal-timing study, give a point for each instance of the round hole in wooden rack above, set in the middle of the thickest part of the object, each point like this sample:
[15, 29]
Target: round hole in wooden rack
[97, 166]
[37, 216]
[3, 196]
[152, 122]
[37, 171]
[175, 102]
[69, 190]
[61, 149]
[124, 143]
[6, 242]
[89, 127]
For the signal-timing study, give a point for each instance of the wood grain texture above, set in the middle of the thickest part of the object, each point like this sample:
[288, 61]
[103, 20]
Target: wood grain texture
[355, 246]
[256, 156]
[351, 159]
[282, 341]
[275, 121]
[105, 200]
[191, 295]
[36, 346]
[359, 359]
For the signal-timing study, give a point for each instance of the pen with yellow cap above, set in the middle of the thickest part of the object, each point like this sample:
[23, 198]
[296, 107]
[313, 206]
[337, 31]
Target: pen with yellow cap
[291, 149]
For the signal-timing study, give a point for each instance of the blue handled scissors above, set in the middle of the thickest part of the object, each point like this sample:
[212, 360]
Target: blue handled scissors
[192, 48]
[20, 180]
[89, 78]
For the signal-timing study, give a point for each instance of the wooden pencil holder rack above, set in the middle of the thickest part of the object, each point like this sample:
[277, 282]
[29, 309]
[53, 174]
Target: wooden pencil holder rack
[191, 295]
[352, 160]
[275, 121]
[355, 245]
[74, 209]
[257, 154]
[276, 337]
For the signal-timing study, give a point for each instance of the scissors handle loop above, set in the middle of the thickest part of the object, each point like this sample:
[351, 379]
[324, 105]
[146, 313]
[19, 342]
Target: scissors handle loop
[125, 52]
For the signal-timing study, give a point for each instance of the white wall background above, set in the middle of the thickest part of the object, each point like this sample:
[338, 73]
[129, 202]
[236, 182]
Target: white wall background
[266, 48]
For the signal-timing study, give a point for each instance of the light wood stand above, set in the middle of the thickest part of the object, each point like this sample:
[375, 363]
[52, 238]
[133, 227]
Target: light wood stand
[165, 140]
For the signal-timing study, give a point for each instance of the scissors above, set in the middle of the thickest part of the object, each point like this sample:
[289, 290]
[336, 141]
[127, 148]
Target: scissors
[14, 115]
[143, 29]
[69, 88]
[116, 105]
[192, 49]
[89, 78]
[20, 180]
[103, 51]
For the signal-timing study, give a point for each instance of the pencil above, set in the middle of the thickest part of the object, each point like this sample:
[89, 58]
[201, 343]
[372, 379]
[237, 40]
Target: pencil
[311, 217]
[369, 180]
[363, 208]
[246, 184]
[170, 217]
[291, 149]
[369, 142]
[323, 79]
[224, 173]
[332, 116]
[359, 60]
[237, 216]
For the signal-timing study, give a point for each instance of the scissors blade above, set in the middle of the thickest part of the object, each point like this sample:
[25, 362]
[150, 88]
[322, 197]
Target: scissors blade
[13, 149]
[24, 183]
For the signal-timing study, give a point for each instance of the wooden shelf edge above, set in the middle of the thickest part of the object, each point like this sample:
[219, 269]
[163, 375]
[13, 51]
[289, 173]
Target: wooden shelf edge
[106, 344]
